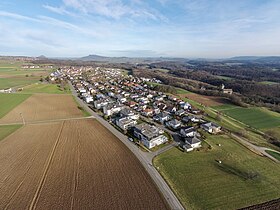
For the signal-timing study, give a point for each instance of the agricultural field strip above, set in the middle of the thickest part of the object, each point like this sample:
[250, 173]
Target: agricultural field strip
[48, 121]
[43, 178]
[40, 107]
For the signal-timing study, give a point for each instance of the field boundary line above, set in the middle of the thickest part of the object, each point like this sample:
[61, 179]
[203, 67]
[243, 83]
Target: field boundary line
[43, 178]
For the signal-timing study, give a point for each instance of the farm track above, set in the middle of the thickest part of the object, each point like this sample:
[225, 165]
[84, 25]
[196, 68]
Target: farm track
[78, 165]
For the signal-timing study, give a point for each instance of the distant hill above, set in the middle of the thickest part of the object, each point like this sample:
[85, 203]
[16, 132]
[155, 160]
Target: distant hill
[258, 59]
[99, 58]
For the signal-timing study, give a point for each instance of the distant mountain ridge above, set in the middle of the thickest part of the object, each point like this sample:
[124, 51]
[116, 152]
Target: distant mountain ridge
[99, 58]
[265, 59]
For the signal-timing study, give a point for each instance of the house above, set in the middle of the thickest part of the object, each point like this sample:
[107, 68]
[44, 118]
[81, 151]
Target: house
[185, 105]
[98, 104]
[149, 135]
[100, 96]
[88, 99]
[156, 110]
[180, 112]
[111, 109]
[191, 118]
[129, 113]
[121, 98]
[125, 122]
[188, 131]
[111, 94]
[162, 117]
[194, 142]
[211, 127]
[159, 98]
[171, 109]
[173, 124]
[187, 148]
[148, 112]
[131, 104]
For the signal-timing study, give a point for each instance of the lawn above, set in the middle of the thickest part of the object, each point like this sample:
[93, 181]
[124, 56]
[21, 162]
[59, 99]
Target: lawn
[274, 154]
[259, 118]
[201, 182]
[45, 88]
[10, 101]
[6, 130]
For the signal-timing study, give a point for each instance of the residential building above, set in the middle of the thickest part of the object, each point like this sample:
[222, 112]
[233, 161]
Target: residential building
[111, 109]
[149, 135]
[125, 122]
[188, 131]
[194, 142]
[162, 117]
[211, 127]
[174, 124]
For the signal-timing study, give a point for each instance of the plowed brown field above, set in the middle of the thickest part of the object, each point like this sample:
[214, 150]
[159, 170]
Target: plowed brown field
[205, 100]
[72, 165]
[43, 107]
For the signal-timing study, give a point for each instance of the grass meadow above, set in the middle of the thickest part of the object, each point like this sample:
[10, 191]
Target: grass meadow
[200, 182]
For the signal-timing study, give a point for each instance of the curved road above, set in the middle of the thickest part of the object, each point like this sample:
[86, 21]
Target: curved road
[144, 157]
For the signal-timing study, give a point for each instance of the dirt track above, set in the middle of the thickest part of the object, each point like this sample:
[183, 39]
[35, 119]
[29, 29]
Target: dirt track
[72, 165]
[43, 107]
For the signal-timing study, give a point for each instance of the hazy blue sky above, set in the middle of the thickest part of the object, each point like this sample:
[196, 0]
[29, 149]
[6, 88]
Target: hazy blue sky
[178, 28]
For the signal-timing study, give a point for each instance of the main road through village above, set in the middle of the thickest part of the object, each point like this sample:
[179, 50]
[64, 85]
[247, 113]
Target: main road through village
[144, 157]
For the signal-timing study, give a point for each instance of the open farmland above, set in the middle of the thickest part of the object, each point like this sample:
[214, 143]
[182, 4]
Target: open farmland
[72, 165]
[7, 130]
[242, 179]
[40, 107]
[259, 118]
[17, 82]
[45, 88]
[10, 101]
[205, 100]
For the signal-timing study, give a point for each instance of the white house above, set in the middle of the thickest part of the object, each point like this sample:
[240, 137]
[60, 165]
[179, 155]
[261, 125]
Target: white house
[211, 127]
[149, 135]
[174, 124]
[125, 123]
[162, 117]
[194, 142]
[111, 109]
[188, 131]
[129, 113]
[98, 104]
[88, 99]
[185, 105]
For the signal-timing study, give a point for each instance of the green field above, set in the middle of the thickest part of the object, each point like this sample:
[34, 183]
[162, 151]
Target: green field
[274, 154]
[45, 88]
[17, 82]
[201, 182]
[6, 130]
[269, 83]
[259, 118]
[224, 77]
[10, 101]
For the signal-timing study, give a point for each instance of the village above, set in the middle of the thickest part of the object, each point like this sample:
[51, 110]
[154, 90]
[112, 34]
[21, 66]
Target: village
[149, 118]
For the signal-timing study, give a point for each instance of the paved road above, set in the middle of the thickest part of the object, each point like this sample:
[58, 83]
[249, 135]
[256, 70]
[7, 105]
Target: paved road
[254, 148]
[144, 157]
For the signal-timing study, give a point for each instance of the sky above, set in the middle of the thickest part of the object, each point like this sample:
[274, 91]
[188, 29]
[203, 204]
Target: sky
[138, 28]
